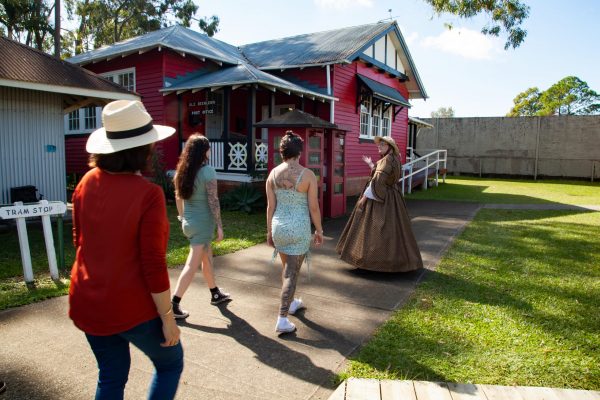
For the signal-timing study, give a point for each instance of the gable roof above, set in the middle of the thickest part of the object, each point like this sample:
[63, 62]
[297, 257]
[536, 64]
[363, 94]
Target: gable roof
[331, 47]
[176, 37]
[242, 74]
[27, 68]
[328, 47]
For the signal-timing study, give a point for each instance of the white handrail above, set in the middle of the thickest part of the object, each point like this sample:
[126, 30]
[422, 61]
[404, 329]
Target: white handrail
[408, 170]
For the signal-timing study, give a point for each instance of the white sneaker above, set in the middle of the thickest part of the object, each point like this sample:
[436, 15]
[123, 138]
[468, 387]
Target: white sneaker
[296, 305]
[284, 325]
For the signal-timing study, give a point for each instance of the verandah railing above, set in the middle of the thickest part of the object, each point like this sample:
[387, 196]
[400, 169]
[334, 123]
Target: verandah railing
[232, 155]
[433, 161]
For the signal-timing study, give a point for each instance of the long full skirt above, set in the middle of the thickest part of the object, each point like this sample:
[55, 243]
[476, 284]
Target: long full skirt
[379, 236]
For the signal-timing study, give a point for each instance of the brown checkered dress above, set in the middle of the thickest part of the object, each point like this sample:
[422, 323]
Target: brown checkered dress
[378, 235]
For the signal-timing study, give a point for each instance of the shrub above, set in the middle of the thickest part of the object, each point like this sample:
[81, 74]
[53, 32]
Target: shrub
[159, 174]
[244, 198]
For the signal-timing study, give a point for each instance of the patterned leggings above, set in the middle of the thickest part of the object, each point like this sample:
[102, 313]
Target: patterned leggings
[291, 270]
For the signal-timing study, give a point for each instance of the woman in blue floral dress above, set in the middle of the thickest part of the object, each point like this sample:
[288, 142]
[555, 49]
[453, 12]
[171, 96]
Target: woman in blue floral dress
[292, 204]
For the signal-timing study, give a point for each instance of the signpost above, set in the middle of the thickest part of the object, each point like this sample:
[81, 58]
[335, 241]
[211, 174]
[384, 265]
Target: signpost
[43, 209]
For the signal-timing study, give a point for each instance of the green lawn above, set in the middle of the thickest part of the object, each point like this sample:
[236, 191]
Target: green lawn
[515, 301]
[510, 191]
[241, 231]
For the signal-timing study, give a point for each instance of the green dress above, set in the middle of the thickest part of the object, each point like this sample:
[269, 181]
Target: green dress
[198, 223]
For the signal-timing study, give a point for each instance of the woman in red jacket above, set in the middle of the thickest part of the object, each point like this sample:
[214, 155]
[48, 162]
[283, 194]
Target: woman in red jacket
[120, 290]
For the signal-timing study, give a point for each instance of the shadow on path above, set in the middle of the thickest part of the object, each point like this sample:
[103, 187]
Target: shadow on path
[269, 351]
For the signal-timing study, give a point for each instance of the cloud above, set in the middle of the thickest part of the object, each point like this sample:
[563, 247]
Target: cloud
[464, 42]
[342, 4]
[411, 38]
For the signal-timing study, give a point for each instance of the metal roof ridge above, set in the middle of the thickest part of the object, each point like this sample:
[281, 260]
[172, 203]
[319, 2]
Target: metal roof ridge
[314, 33]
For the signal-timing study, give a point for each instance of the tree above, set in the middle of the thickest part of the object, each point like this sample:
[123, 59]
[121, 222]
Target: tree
[507, 15]
[443, 112]
[527, 103]
[569, 96]
[27, 21]
[104, 22]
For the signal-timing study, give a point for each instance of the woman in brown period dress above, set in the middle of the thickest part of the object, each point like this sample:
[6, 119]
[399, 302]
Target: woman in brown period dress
[378, 235]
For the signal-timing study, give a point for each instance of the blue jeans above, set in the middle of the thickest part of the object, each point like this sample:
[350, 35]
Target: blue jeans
[112, 354]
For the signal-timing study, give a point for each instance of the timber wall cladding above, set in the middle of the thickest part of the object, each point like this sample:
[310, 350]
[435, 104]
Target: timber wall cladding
[556, 146]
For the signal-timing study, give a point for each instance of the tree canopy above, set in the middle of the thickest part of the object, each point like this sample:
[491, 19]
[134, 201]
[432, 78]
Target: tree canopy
[569, 96]
[104, 22]
[28, 21]
[504, 15]
[443, 112]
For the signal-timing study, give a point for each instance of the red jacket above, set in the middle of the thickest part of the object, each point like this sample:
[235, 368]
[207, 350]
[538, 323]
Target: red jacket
[120, 231]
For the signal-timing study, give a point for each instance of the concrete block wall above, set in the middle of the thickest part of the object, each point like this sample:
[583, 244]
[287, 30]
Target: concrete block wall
[557, 146]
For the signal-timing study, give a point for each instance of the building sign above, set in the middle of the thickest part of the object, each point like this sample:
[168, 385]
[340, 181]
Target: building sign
[196, 109]
[42, 209]
[33, 210]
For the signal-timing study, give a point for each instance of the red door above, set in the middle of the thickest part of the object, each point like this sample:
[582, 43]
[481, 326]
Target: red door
[335, 195]
[313, 158]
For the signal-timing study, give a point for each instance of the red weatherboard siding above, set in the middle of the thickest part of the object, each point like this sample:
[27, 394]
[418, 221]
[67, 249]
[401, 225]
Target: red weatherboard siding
[347, 115]
[175, 65]
[76, 158]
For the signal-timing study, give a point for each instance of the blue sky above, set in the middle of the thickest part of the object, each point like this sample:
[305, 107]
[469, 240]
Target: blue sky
[461, 68]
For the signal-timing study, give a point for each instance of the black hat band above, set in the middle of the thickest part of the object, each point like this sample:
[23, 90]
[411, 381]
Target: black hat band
[130, 133]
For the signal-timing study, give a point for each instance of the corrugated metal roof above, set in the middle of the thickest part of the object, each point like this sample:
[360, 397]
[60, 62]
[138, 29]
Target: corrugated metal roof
[384, 92]
[418, 122]
[295, 119]
[25, 64]
[242, 74]
[314, 48]
[175, 37]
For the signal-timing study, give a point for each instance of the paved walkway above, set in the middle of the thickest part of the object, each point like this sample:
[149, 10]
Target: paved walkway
[232, 352]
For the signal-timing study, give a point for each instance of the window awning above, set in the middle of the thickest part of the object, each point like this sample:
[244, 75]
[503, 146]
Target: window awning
[383, 92]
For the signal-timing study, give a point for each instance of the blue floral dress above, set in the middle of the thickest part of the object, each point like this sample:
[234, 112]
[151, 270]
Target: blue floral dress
[291, 221]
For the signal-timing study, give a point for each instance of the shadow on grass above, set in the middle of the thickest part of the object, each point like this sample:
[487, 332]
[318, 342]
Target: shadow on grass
[457, 192]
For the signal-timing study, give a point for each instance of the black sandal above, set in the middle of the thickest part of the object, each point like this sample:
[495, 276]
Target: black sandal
[2, 387]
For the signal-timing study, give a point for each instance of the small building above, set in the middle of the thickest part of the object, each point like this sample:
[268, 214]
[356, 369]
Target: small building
[360, 79]
[36, 91]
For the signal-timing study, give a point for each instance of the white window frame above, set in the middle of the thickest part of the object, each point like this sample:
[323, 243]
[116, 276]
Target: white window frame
[80, 116]
[90, 118]
[113, 76]
[373, 122]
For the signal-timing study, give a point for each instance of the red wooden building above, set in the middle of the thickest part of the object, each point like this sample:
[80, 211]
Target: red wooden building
[357, 79]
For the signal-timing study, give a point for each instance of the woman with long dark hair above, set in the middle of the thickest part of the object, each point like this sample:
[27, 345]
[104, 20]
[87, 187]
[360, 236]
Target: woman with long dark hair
[292, 204]
[197, 202]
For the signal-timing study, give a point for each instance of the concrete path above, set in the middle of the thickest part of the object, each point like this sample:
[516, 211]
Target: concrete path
[232, 351]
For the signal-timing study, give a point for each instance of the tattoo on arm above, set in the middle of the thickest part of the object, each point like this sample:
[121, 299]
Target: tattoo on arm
[213, 201]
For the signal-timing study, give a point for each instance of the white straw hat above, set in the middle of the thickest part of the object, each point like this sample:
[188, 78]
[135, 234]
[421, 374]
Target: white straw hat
[389, 140]
[127, 124]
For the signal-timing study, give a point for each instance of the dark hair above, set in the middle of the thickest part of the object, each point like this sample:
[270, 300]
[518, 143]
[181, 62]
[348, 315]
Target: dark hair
[192, 158]
[291, 145]
[128, 160]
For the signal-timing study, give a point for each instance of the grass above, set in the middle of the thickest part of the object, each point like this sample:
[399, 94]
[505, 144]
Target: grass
[514, 302]
[511, 191]
[241, 231]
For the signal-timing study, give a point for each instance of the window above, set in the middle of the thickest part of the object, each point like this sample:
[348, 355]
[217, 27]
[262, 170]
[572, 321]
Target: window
[374, 121]
[90, 117]
[365, 117]
[74, 120]
[124, 77]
